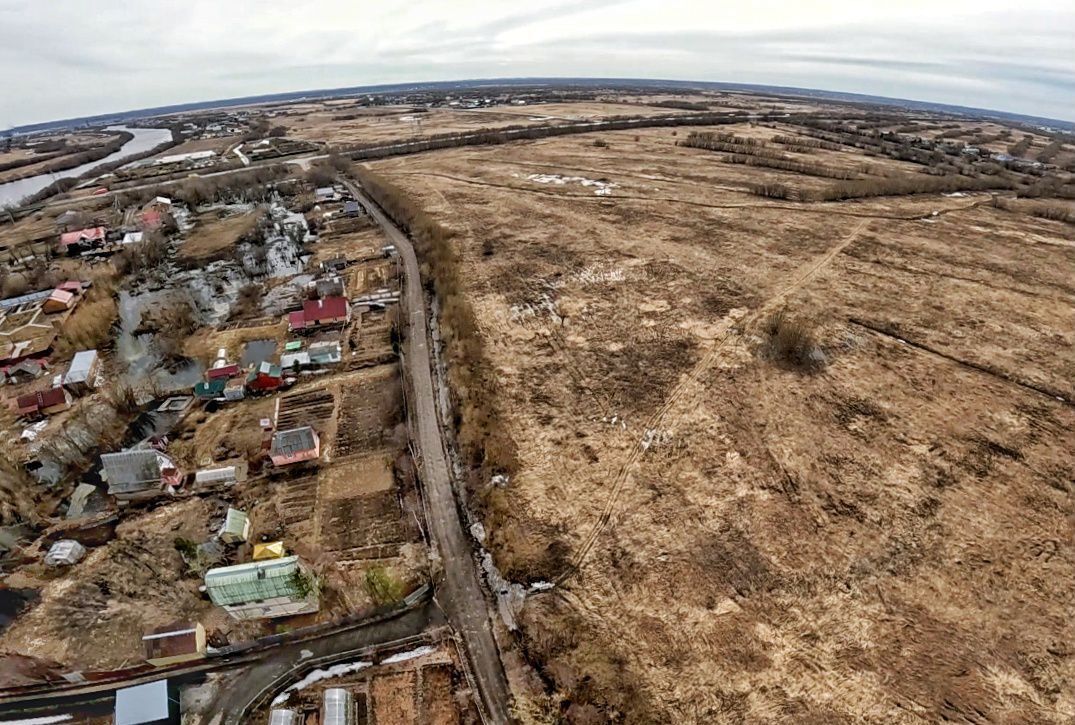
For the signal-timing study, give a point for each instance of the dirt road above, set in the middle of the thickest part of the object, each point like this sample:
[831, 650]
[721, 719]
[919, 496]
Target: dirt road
[460, 594]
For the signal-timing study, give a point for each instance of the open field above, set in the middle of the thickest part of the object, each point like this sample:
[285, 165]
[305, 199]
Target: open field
[219, 230]
[873, 531]
[359, 126]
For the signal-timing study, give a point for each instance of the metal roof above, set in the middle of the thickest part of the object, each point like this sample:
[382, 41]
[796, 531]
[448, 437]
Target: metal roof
[81, 366]
[235, 523]
[293, 441]
[255, 581]
[146, 703]
[134, 469]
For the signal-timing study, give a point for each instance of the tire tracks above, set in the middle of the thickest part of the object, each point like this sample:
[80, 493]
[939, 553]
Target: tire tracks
[804, 275]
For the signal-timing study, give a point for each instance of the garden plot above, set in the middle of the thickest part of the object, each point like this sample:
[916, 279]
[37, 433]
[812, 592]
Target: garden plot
[359, 511]
[370, 410]
[314, 408]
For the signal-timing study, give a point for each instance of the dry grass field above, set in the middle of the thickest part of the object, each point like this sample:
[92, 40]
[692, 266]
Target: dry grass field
[344, 126]
[870, 523]
[217, 231]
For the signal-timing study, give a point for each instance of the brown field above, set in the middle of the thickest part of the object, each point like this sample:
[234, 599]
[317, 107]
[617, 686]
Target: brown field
[217, 231]
[386, 124]
[94, 616]
[882, 538]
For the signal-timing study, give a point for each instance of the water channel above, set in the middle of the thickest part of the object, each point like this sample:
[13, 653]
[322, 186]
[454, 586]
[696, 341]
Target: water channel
[144, 139]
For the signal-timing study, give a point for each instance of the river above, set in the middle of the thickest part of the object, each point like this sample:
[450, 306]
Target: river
[144, 139]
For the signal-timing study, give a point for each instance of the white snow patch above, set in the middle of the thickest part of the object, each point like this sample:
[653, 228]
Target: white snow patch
[318, 675]
[409, 655]
[601, 188]
[38, 720]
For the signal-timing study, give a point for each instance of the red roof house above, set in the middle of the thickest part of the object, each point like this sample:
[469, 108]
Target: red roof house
[296, 321]
[44, 402]
[224, 371]
[93, 236]
[151, 219]
[59, 301]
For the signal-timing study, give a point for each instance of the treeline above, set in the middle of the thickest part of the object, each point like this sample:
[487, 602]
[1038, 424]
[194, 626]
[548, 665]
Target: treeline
[1053, 212]
[29, 160]
[809, 143]
[483, 435]
[242, 186]
[795, 167]
[480, 137]
[889, 186]
[682, 105]
[753, 152]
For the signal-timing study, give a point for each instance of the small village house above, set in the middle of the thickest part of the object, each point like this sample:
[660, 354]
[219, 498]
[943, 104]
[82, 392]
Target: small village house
[325, 352]
[47, 402]
[82, 372]
[295, 446]
[82, 240]
[236, 527]
[139, 474]
[235, 389]
[295, 360]
[320, 313]
[325, 193]
[264, 589]
[59, 301]
[175, 643]
[210, 390]
[266, 377]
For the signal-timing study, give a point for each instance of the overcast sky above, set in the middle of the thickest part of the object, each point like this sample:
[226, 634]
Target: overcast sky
[65, 58]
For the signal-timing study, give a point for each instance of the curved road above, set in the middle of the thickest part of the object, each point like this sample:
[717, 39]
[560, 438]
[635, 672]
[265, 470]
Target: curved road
[460, 594]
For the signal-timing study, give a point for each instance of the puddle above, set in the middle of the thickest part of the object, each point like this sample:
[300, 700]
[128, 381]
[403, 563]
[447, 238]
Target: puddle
[257, 351]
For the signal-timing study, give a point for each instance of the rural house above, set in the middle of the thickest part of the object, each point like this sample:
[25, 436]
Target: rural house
[320, 313]
[325, 352]
[139, 474]
[82, 372]
[263, 589]
[210, 390]
[45, 402]
[174, 643]
[82, 240]
[266, 377]
[59, 301]
[295, 446]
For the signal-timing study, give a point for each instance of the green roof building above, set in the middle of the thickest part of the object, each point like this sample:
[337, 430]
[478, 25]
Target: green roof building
[263, 589]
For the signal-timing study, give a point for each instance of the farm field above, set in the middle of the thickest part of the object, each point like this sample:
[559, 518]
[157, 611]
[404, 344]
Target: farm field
[870, 532]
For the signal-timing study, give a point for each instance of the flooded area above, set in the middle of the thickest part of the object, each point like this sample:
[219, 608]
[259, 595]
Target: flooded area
[213, 290]
[144, 139]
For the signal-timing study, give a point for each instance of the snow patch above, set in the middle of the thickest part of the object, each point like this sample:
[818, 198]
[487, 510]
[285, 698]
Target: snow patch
[601, 188]
[318, 675]
[409, 655]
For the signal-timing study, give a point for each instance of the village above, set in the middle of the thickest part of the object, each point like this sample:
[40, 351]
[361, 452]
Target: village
[208, 402]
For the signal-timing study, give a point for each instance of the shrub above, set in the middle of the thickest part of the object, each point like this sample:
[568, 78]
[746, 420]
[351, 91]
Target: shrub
[601, 143]
[792, 342]
[382, 587]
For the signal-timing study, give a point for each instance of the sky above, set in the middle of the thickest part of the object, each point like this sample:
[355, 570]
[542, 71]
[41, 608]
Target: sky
[68, 58]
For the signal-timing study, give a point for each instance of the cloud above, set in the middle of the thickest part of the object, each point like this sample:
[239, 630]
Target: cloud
[76, 57]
